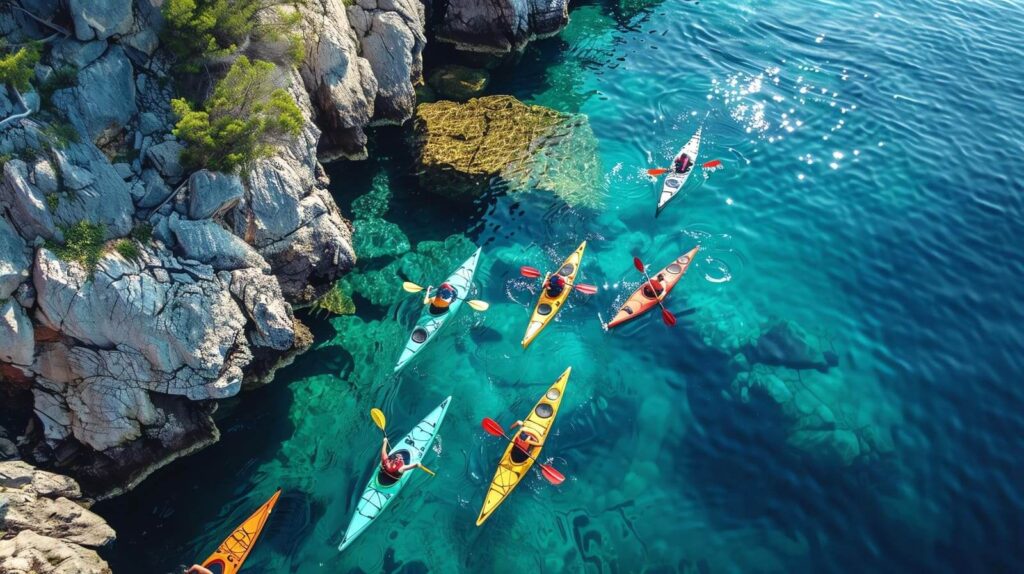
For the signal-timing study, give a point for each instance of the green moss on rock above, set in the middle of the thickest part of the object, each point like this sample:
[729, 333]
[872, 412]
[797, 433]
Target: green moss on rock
[378, 238]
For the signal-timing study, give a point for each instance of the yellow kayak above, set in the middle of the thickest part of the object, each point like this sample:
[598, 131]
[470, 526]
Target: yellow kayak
[231, 553]
[514, 466]
[548, 307]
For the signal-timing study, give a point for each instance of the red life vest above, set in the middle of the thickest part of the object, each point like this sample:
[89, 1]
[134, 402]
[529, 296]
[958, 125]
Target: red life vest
[521, 444]
[393, 466]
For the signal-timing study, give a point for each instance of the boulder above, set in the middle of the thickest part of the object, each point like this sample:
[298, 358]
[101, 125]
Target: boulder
[31, 553]
[103, 101]
[17, 343]
[786, 343]
[71, 52]
[92, 190]
[14, 261]
[391, 36]
[56, 517]
[260, 297]
[340, 83]
[207, 242]
[212, 193]
[151, 190]
[497, 142]
[459, 83]
[166, 158]
[100, 20]
[25, 204]
[26, 478]
[498, 26]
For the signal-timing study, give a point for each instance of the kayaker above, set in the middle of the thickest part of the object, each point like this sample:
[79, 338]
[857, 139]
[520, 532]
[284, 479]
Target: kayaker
[197, 569]
[682, 164]
[556, 284]
[524, 441]
[442, 299]
[393, 466]
[654, 287]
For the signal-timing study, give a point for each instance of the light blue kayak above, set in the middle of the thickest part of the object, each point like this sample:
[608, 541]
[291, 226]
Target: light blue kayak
[429, 324]
[381, 489]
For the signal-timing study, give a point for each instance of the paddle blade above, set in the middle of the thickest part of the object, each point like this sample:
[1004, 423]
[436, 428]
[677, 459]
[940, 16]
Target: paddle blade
[530, 272]
[478, 305]
[712, 163]
[669, 318]
[411, 287]
[656, 171]
[586, 289]
[638, 264]
[492, 427]
[553, 476]
[426, 470]
[378, 418]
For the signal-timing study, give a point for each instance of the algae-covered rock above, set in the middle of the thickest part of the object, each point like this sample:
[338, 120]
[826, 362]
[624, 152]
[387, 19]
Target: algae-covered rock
[497, 141]
[337, 301]
[378, 238]
[458, 83]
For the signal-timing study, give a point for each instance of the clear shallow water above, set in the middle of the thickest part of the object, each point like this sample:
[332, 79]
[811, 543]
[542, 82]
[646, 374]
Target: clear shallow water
[872, 193]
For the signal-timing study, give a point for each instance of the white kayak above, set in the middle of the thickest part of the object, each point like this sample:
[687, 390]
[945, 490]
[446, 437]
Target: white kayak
[429, 324]
[382, 488]
[675, 180]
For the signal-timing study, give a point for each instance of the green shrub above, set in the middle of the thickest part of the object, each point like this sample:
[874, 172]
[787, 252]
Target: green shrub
[142, 233]
[128, 249]
[53, 201]
[243, 121]
[61, 78]
[17, 68]
[60, 134]
[83, 242]
[198, 30]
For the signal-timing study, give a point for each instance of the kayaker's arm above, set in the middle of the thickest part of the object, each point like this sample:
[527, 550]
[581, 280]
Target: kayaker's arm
[517, 424]
[197, 569]
[384, 450]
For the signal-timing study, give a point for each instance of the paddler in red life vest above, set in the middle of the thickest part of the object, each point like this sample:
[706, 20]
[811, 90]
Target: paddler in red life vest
[197, 569]
[556, 284]
[443, 298]
[654, 287]
[393, 466]
[682, 164]
[524, 441]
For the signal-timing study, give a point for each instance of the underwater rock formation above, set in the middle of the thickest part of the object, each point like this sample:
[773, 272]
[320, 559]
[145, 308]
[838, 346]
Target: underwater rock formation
[498, 26]
[498, 142]
[459, 83]
[45, 526]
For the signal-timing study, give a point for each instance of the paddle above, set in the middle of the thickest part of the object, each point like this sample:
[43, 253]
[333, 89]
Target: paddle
[553, 476]
[713, 163]
[476, 304]
[657, 171]
[660, 170]
[378, 419]
[534, 273]
[666, 315]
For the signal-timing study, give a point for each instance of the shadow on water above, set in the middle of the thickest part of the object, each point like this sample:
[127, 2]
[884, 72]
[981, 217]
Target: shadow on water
[253, 426]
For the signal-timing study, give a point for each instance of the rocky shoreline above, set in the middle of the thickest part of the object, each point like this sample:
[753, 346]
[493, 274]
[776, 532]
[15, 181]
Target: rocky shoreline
[134, 291]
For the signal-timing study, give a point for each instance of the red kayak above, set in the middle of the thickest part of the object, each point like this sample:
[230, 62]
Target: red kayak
[643, 300]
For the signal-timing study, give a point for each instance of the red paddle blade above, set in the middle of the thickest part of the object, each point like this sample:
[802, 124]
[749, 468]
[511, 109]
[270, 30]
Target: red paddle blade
[638, 264]
[530, 272]
[713, 163]
[669, 318]
[492, 427]
[586, 289]
[553, 476]
[657, 171]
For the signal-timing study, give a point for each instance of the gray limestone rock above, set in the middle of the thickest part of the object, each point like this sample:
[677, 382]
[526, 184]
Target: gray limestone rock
[212, 193]
[31, 553]
[166, 158]
[95, 20]
[17, 343]
[14, 261]
[207, 242]
[103, 102]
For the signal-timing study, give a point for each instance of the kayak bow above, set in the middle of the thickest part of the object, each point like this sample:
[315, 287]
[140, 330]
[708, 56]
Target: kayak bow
[639, 303]
[512, 468]
[231, 553]
[380, 490]
[548, 307]
[429, 324]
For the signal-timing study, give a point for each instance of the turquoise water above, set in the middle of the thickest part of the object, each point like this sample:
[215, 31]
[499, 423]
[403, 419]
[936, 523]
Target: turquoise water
[871, 194]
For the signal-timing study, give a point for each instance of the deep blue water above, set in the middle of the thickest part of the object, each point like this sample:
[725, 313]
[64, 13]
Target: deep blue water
[871, 193]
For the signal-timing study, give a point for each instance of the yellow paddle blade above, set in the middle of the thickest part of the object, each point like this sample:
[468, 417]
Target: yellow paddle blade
[479, 305]
[426, 470]
[411, 287]
[378, 418]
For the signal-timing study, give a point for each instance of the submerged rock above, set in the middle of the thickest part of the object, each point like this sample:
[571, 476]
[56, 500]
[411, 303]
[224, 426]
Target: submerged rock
[459, 83]
[497, 141]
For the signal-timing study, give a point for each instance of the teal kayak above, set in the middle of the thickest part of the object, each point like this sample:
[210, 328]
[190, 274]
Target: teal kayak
[429, 324]
[382, 489]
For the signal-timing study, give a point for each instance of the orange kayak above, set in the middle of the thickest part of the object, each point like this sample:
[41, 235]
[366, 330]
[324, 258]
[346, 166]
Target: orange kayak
[640, 302]
[231, 553]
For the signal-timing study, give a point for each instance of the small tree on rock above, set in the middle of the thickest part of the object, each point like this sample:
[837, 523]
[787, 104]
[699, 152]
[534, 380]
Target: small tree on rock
[244, 120]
